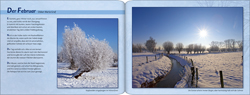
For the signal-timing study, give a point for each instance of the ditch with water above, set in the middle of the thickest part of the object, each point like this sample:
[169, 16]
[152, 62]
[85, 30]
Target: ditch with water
[172, 77]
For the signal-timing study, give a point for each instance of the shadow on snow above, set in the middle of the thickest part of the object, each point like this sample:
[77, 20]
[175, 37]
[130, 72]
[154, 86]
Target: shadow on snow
[63, 75]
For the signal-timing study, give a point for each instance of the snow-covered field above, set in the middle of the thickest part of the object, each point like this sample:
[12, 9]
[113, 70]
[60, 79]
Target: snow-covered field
[209, 66]
[140, 58]
[143, 71]
[92, 79]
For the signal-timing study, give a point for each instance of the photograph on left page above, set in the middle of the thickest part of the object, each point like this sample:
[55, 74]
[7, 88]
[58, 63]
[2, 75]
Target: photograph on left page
[87, 53]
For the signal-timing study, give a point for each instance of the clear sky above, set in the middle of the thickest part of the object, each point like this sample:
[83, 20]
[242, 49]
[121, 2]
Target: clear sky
[184, 24]
[100, 28]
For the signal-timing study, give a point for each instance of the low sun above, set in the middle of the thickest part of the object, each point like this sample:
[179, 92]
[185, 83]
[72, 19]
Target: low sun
[203, 33]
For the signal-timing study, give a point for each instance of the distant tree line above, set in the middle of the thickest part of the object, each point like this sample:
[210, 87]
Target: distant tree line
[228, 45]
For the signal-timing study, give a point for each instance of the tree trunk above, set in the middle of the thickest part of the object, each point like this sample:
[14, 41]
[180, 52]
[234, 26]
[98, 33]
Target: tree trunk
[79, 72]
[72, 64]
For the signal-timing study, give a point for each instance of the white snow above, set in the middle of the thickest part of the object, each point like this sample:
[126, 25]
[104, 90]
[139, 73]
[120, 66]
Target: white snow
[186, 79]
[209, 66]
[179, 59]
[143, 71]
[140, 58]
[92, 79]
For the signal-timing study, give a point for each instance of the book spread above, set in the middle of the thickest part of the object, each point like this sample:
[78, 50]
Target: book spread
[124, 47]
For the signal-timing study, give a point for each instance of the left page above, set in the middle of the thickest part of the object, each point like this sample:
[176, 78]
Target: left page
[62, 47]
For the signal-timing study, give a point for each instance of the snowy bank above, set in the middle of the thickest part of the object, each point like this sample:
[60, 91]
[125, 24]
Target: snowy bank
[147, 72]
[139, 58]
[92, 79]
[209, 66]
[186, 79]
[182, 61]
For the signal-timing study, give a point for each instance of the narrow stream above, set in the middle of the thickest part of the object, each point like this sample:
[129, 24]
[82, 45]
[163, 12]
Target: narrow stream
[172, 77]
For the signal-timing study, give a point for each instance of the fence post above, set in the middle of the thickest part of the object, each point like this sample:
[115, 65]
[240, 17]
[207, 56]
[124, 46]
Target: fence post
[155, 57]
[192, 62]
[192, 70]
[221, 80]
[196, 77]
[147, 58]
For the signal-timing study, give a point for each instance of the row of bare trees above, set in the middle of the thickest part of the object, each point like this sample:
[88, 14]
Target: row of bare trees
[196, 48]
[227, 45]
[168, 46]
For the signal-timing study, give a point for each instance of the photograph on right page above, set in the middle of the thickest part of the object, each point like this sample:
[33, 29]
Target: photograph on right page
[187, 47]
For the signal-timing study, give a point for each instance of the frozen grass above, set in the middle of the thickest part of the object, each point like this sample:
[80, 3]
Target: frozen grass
[209, 66]
[143, 71]
[93, 79]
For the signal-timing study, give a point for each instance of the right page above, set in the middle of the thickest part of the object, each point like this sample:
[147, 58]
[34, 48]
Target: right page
[187, 47]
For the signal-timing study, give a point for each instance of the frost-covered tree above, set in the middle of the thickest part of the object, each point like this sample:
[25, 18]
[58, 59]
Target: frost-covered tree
[227, 44]
[190, 48]
[168, 46]
[203, 48]
[98, 55]
[200, 48]
[221, 45]
[86, 53]
[196, 48]
[150, 44]
[233, 44]
[115, 57]
[240, 45]
[94, 55]
[230, 44]
[214, 46]
[179, 47]
[72, 38]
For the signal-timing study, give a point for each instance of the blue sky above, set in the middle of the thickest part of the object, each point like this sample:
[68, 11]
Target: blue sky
[183, 24]
[106, 28]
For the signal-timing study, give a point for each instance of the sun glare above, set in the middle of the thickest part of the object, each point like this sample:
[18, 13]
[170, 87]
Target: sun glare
[203, 33]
